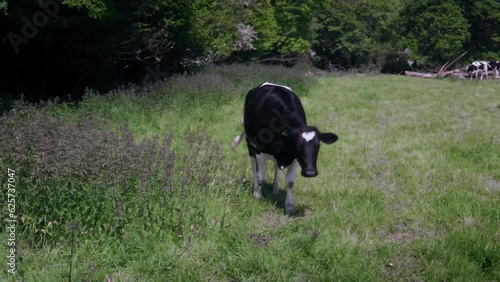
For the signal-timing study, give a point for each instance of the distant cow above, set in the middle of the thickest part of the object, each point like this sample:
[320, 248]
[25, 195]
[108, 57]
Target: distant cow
[483, 67]
[495, 65]
[275, 126]
[472, 70]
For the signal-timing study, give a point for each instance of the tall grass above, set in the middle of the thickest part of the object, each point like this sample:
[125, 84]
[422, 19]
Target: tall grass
[100, 178]
[140, 185]
[199, 97]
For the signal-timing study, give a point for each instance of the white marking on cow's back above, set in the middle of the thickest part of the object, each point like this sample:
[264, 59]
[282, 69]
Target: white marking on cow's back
[273, 84]
[479, 63]
[308, 136]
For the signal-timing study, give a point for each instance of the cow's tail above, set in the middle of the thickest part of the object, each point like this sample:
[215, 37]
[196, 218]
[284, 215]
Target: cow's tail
[236, 141]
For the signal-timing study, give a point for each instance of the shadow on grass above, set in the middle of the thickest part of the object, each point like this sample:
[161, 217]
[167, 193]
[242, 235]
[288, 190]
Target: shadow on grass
[276, 200]
[279, 200]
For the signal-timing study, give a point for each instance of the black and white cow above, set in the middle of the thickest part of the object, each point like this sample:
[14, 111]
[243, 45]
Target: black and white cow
[276, 129]
[483, 67]
[472, 70]
[495, 65]
[478, 67]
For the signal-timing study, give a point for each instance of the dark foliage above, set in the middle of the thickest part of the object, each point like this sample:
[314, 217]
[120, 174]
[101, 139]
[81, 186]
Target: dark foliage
[104, 44]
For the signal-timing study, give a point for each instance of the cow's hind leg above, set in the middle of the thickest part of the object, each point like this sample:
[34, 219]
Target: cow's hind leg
[290, 180]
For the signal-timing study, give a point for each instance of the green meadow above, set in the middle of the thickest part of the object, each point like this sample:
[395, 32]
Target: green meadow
[142, 184]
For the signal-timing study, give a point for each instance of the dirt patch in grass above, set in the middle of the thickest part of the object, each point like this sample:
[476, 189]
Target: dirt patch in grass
[269, 221]
[400, 237]
[273, 221]
[399, 233]
[493, 107]
[403, 267]
[403, 233]
[261, 240]
[119, 276]
[492, 185]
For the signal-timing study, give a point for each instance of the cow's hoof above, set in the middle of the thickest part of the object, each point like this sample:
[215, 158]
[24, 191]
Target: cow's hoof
[290, 210]
[257, 195]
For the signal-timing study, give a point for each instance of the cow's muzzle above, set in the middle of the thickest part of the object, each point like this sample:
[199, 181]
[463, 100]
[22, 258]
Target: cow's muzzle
[309, 173]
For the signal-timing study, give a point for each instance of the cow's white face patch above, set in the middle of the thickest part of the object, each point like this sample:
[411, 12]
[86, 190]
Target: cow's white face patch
[308, 136]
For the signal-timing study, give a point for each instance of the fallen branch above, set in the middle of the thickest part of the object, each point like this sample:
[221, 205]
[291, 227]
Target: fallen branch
[420, 74]
[457, 73]
[447, 65]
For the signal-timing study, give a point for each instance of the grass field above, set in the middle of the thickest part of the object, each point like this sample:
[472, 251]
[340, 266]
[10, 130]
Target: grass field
[410, 192]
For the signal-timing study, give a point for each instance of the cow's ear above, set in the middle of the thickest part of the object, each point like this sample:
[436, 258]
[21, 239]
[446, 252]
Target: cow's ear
[328, 138]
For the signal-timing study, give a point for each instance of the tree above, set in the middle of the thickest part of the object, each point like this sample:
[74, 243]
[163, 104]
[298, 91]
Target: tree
[95, 8]
[294, 24]
[259, 15]
[484, 19]
[341, 40]
[55, 44]
[434, 31]
[378, 18]
[103, 43]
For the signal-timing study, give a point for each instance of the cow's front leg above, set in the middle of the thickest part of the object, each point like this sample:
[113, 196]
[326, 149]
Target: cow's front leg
[259, 174]
[276, 179]
[290, 180]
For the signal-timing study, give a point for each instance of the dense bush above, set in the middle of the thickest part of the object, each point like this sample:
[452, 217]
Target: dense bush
[99, 180]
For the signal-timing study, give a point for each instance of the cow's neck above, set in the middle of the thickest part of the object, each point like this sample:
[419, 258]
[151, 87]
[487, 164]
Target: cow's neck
[287, 154]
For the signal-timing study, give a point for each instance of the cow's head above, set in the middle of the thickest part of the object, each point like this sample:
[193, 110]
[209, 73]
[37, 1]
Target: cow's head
[471, 68]
[307, 140]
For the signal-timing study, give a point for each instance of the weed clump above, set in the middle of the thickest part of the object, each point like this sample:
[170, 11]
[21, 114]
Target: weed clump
[81, 171]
